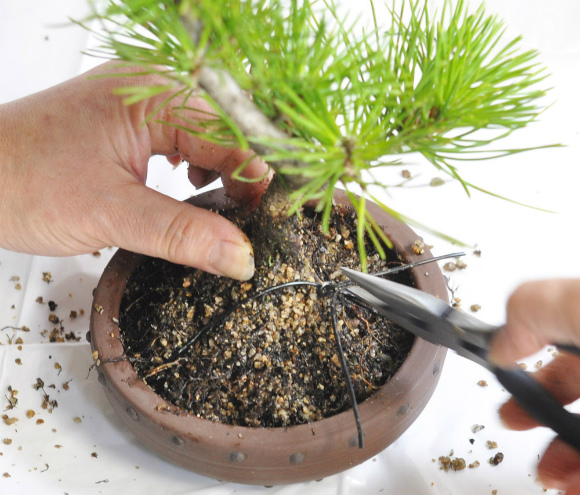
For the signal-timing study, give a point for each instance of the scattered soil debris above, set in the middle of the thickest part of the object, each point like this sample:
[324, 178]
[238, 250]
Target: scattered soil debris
[482, 383]
[496, 459]
[96, 359]
[11, 398]
[455, 301]
[474, 464]
[475, 308]
[445, 462]
[47, 403]
[418, 247]
[451, 266]
[47, 277]
[8, 420]
[19, 340]
[490, 444]
[457, 464]
[59, 333]
[460, 264]
[475, 428]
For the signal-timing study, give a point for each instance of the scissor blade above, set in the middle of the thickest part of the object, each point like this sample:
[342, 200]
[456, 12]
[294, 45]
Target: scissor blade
[394, 293]
[412, 309]
[424, 315]
[402, 317]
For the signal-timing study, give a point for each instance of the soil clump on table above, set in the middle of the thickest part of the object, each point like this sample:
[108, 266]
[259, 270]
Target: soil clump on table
[262, 360]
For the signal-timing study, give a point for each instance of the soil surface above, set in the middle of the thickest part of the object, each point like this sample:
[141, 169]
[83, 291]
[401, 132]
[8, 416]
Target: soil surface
[262, 360]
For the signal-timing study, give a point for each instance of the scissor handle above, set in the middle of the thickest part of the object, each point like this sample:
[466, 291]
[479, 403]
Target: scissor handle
[541, 404]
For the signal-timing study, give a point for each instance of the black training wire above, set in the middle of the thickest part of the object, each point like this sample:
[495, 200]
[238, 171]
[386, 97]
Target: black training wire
[336, 289]
[344, 365]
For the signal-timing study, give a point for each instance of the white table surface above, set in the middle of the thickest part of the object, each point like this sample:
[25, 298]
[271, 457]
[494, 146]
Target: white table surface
[516, 244]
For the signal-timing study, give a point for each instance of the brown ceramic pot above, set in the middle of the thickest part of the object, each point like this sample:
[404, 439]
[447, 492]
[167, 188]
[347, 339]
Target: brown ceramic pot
[264, 456]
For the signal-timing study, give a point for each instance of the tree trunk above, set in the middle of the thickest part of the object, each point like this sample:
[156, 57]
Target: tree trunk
[271, 230]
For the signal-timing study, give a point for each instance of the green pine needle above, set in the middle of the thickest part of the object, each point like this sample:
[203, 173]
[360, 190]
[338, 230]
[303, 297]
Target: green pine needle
[443, 84]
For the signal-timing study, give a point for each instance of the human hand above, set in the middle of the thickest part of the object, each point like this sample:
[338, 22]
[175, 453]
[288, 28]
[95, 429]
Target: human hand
[74, 162]
[538, 314]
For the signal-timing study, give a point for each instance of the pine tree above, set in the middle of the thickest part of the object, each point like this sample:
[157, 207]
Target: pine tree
[325, 102]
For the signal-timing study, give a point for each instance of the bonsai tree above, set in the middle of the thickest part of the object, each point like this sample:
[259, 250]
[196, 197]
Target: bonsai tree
[326, 102]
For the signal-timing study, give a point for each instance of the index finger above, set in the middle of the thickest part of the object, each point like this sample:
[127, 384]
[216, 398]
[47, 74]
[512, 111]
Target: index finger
[171, 138]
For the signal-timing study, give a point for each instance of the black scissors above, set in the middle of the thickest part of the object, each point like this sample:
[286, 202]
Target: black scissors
[430, 318]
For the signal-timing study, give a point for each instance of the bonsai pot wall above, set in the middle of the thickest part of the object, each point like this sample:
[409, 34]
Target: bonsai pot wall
[263, 456]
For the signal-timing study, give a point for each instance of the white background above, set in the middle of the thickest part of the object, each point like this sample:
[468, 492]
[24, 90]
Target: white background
[516, 243]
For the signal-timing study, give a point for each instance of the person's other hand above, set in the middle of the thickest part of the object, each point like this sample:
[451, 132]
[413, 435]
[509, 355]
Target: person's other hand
[73, 167]
[538, 314]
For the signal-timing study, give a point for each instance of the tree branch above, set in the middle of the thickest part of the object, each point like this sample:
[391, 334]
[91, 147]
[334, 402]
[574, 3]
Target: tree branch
[225, 91]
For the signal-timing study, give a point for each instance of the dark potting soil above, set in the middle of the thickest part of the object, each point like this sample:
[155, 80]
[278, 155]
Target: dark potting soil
[274, 360]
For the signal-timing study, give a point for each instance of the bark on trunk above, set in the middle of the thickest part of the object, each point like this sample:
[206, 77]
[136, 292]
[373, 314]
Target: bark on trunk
[272, 230]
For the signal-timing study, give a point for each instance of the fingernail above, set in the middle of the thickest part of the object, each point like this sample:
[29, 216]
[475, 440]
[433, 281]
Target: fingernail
[233, 260]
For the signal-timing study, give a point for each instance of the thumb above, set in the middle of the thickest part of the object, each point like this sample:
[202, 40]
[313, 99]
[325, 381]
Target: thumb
[153, 224]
